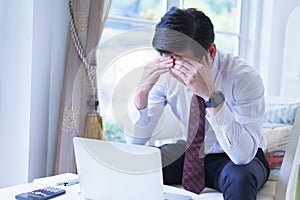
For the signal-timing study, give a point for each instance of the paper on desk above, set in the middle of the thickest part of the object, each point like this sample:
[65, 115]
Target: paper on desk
[53, 180]
[71, 196]
[176, 190]
[176, 196]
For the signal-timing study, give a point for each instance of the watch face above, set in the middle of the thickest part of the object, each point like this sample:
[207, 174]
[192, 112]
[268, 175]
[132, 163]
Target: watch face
[217, 98]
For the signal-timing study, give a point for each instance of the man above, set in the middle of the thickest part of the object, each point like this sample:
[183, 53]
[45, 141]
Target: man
[230, 90]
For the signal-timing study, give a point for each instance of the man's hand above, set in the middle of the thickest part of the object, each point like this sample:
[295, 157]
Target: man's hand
[195, 75]
[151, 74]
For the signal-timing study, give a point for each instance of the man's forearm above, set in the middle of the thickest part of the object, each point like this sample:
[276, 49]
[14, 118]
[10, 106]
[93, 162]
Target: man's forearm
[141, 99]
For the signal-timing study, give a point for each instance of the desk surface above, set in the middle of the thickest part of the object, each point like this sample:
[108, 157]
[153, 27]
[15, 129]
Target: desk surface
[72, 192]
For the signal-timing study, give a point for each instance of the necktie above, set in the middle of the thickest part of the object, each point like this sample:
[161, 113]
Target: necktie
[193, 178]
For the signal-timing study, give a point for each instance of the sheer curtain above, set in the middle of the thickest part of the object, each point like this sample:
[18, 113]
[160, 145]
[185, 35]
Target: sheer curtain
[89, 19]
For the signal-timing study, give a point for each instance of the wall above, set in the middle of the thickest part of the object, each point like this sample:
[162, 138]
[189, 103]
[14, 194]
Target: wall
[15, 92]
[290, 66]
[32, 35]
[275, 15]
[281, 12]
[0, 32]
[58, 41]
[265, 46]
[40, 81]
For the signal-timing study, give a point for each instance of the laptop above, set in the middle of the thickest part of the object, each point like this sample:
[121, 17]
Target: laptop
[119, 171]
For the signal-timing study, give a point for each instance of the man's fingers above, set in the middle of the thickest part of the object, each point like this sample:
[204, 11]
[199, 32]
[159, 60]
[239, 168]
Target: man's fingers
[185, 67]
[179, 74]
[161, 63]
[190, 63]
[175, 76]
[159, 72]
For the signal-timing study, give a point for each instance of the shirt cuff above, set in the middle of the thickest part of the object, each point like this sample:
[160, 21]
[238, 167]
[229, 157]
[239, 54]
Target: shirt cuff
[138, 117]
[144, 118]
[135, 140]
[217, 123]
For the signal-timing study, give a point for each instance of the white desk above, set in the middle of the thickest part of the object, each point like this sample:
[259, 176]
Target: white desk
[72, 192]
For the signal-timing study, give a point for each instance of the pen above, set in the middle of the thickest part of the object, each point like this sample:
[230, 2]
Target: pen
[68, 183]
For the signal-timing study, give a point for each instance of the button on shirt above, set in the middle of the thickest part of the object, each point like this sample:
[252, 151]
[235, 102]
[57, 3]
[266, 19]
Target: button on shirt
[237, 127]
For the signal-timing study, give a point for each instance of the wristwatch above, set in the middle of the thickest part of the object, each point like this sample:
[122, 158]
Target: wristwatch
[215, 99]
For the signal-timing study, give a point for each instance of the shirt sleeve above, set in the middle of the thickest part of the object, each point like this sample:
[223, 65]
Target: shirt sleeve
[142, 123]
[238, 128]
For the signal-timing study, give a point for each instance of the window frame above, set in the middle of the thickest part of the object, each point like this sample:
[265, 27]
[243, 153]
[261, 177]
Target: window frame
[241, 35]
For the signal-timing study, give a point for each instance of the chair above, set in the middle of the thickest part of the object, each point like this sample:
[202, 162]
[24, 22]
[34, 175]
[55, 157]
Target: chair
[286, 187]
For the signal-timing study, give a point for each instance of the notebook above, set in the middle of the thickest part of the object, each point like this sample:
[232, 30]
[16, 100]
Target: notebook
[119, 171]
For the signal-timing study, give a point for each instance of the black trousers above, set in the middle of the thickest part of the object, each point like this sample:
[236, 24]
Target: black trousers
[236, 182]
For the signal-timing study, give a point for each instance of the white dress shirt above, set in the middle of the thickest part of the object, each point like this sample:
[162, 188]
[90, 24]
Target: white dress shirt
[237, 127]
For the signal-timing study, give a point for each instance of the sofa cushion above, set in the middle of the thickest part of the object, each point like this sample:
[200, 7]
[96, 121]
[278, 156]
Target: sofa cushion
[277, 138]
[280, 110]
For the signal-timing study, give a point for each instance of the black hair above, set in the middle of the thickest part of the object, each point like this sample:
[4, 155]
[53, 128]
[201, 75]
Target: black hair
[180, 28]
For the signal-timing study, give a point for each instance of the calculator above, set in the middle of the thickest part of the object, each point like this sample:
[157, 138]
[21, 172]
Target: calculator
[41, 194]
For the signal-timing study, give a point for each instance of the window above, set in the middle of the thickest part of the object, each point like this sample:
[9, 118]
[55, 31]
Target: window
[225, 15]
[126, 46]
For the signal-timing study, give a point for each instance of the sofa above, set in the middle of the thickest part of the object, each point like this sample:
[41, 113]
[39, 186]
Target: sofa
[281, 127]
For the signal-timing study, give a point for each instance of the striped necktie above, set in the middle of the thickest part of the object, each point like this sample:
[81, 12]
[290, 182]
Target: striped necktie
[193, 178]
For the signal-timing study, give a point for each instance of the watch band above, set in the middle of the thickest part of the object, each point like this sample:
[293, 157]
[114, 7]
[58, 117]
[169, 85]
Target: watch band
[207, 104]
